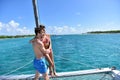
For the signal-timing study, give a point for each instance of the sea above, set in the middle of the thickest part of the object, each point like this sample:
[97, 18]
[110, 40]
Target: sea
[71, 53]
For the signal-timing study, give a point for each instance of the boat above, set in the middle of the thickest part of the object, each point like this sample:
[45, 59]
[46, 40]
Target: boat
[98, 74]
[91, 74]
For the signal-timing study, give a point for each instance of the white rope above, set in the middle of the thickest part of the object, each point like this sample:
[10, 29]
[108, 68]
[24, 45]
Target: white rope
[103, 77]
[18, 68]
[55, 56]
[75, 61]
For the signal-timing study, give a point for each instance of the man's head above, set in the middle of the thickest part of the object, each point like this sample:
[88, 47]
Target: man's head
[40, 29]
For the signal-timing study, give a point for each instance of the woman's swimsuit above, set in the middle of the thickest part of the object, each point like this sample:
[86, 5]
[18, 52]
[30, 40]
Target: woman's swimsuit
[46, 43]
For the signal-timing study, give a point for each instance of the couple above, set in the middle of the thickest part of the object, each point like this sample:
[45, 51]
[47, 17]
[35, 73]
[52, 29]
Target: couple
[43, 50]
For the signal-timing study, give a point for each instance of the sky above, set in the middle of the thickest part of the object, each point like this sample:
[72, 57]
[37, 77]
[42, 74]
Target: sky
[59, 16]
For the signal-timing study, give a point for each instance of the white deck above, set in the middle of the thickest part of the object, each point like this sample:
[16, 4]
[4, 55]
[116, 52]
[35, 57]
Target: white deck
[61, 74]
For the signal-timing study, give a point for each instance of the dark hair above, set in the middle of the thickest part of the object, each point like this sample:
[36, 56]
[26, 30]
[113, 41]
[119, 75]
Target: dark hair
[42, 26]
[38, 29]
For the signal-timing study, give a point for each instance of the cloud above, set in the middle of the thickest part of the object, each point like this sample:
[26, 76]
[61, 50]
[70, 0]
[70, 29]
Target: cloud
[102, 27]
[60, 30]
[78, 29]
[105, 27]
[0, 25]
[13, 28]
[13, 24]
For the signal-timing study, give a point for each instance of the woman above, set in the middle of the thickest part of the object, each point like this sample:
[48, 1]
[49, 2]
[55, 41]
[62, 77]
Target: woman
[48, 45]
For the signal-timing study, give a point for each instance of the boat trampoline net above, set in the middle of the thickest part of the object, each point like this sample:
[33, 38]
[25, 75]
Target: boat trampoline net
[99, 76]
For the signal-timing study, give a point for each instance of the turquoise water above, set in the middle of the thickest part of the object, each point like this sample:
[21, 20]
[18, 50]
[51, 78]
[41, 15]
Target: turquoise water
[71, 52]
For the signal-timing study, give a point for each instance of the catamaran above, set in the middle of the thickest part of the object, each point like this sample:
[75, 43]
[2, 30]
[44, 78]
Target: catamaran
[91, 74]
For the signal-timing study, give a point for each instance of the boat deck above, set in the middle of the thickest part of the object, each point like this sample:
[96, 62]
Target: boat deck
[59, 75]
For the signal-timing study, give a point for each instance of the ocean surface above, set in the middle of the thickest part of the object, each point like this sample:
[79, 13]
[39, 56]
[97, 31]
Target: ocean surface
[71, 53]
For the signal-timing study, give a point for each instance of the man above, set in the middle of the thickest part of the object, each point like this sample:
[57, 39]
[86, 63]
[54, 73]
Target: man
[40, 54]
[47, 45]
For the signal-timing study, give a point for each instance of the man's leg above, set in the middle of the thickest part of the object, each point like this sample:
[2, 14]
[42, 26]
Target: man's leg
[37, 75]
[45, 76]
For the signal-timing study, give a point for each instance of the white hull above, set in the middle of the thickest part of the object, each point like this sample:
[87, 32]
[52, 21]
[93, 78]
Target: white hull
[115, 74]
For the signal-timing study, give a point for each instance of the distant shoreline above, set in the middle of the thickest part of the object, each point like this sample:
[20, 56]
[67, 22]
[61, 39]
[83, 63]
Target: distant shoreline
[92, 32]
[16, 36]
[106, 32]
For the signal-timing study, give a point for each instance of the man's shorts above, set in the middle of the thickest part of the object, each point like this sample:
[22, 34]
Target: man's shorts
[40, 65]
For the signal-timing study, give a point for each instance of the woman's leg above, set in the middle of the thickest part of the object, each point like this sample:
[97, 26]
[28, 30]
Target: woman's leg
[52, 69]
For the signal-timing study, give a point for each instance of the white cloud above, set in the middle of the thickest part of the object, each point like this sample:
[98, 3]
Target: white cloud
[0, 25]
[59, 30]
[23, 30]
[13, 28]
[13, 24]
[102, 27]
[78, 29]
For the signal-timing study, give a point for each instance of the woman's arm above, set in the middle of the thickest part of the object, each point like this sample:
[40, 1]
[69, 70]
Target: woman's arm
[50, 47]
[45, 51]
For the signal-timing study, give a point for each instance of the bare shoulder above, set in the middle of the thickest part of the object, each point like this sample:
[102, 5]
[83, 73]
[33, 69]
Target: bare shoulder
[32, 40]
[38, 41]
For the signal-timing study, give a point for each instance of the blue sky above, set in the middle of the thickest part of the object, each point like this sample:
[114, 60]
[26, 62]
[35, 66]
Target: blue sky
[59, 16]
